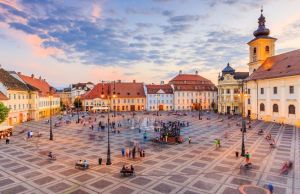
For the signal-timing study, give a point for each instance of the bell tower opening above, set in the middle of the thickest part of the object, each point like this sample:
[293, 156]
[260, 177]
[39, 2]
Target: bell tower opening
[261, 46]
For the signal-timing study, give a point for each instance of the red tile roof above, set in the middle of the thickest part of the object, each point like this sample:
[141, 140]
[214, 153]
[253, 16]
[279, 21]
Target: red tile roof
[153, 89]
[192, 82]
[3, 97]
[43, 87]
[286, 64]
[122, 90]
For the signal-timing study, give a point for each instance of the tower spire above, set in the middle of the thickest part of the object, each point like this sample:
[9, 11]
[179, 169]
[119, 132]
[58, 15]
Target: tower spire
[261, 30]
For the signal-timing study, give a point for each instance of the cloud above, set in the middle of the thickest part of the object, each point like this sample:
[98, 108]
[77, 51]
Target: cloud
[175, 29]
[184, 18]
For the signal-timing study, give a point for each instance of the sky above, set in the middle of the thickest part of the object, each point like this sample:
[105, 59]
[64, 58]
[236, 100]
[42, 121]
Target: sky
[70, 41]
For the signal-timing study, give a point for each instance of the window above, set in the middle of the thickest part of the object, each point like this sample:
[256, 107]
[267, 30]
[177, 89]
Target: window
[267, 48]
[262, 107]
[291, 89]
[249, 101]
[228, 91]
[275, 108]
[274, 90]
[292, 109]
[254, 50]
[262, 91]
[249, 91]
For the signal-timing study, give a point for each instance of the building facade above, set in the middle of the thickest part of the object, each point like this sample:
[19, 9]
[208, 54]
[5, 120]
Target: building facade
[80, 89]
[230, 88]
[159, 97]
[65, 97]
[273, 87]
[119, 96]
[193, 92]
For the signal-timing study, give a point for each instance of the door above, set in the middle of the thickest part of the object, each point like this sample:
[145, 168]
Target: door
[228, 110]
[132, 107]
[249, 113]
[20, 118]
[161, 107]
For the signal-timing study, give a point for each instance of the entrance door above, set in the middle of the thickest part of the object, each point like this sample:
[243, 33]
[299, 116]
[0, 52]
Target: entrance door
[10, 121]
[228, 110]
[20, 118]
[161, 107]
[249, 113]
[132, 107]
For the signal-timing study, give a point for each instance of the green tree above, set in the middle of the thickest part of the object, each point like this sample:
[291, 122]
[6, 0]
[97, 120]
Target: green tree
[77, 103]
[3, 112]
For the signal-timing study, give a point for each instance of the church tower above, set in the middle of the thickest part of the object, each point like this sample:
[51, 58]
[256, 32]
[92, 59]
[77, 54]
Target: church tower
[262, 46]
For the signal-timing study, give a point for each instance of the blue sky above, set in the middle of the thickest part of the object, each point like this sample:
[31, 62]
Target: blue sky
[146, 40]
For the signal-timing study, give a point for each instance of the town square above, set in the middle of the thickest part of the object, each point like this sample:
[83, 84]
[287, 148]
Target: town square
[152, 96]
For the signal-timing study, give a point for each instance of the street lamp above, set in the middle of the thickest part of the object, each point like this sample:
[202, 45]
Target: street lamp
[50, 120]
[243, 129]
[78, 98]
[157, 104]
[199, 108]
[109, 96]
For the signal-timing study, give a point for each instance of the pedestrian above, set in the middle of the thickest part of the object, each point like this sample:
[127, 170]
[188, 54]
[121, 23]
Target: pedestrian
[166, 138]
[129, 155]
[219, 142]
[123, 152]
[143, 153]
[28, 134]
[270, 188]
[216, 143]
[133, 152]
[247, 156]
[7, 140]
[127, 152]
[190, 140]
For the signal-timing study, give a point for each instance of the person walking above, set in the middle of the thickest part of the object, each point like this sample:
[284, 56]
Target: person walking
[133, 152]
[190, 140]
[123, 152]
[270, 188]
[7, 140]
[219, 143]
[247, 156]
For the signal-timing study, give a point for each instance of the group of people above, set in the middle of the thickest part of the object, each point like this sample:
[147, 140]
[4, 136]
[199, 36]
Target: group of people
[6, 133]
[83, 163]
[131, 153]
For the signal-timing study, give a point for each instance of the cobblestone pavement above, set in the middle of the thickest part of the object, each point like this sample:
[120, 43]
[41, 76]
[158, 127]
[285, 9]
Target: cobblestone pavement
[183, 168]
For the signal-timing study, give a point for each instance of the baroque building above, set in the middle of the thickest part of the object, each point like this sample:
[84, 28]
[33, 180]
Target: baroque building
[273, 87]
[192, 91]
[230, 87]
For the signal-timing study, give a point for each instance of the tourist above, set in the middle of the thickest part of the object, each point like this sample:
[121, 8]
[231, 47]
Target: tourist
[85, 163]
[133, 152]
[143, 153]
[247, 156]
[127, 152]
[190, 140]
[7, 140]
[131, 168]
[123, 152]
[219, 142]
[270, 188]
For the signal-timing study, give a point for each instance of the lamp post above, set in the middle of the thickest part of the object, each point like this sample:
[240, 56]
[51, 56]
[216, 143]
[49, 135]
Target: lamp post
[78, 98]
[109, 96]
[199, 108]
[243, 129]
[50, 121]
[157, 104]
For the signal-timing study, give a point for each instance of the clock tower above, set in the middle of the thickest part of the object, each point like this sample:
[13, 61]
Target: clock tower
[262, 46]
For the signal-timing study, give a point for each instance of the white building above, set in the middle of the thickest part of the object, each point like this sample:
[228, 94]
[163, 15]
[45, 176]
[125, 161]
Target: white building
[192, 91]
[80, 89]
[273, 87]
[159, 97]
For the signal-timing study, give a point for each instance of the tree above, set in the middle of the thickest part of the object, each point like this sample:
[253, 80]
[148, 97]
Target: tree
[3, 112]
[62, 106]
[77, 103]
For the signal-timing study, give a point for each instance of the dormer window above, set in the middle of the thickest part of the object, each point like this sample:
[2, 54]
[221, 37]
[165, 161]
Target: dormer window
[128, 93]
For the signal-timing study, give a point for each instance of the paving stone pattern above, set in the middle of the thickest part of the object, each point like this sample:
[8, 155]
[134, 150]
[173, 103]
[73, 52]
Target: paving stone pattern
[182, 168]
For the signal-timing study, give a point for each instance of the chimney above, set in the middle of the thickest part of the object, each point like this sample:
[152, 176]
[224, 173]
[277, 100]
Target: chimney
[196, 72]
[162, 82]
[134, 81]
[32, 75]
[19, 73]
[180, 72]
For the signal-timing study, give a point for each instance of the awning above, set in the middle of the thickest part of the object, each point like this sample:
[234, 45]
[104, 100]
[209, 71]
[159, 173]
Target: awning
[100, 108]
[4, 128]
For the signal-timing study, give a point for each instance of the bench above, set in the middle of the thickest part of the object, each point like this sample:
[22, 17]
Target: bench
[125, 173]
[81, 166]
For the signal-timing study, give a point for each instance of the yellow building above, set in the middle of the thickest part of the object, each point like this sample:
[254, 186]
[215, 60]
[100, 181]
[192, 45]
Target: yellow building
[230, 87]
[22, 98]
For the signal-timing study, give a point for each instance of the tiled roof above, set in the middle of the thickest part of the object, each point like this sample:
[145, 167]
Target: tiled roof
[3, 97]
[192, 82]
[153, 89]
[286, 64]
[241, 75]
[11, 83]
[122, 90]
[40, 84]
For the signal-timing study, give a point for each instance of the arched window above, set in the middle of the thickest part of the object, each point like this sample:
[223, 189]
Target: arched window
[275, 107]
[267, 48]
[262, 107]
[254, 50]
[292, 109]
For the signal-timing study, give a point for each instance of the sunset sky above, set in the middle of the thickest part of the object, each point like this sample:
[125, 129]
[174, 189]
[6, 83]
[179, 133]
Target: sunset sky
[69, 41]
